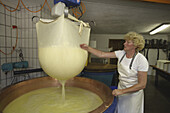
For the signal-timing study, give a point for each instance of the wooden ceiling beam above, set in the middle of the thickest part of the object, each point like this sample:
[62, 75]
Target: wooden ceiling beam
[157, 1]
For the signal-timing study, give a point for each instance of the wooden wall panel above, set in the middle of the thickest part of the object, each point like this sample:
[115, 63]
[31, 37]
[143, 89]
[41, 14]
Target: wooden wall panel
[157, 1]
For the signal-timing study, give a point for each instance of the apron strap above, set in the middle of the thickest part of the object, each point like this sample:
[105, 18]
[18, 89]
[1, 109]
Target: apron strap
[131, 60]
[122, 58]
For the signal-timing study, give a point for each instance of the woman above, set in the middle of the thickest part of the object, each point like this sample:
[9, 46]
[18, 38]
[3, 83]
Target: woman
[132, 68]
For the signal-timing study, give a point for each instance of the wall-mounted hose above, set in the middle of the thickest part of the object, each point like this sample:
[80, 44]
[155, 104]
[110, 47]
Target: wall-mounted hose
[79, 11]
[45, 2]
[9, 9]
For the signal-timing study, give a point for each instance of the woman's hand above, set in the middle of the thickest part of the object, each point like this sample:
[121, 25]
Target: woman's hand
[117, 92]
[84, 46]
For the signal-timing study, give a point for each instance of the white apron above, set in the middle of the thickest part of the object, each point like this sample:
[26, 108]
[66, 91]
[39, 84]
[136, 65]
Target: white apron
[130, 102]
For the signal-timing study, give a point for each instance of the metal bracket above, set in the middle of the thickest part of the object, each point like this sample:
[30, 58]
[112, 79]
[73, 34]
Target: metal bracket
[35, 19]
[66, 12]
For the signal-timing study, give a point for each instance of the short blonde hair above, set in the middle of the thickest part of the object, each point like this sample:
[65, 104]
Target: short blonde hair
[137, 40]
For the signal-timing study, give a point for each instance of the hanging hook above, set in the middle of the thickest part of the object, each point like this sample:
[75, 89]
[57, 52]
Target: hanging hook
[93, 23]
[34, 20]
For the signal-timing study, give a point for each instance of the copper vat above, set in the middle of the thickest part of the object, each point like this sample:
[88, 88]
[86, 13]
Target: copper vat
[10, 93]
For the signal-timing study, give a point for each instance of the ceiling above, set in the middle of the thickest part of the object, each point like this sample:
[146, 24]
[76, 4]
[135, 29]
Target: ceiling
[121, 16]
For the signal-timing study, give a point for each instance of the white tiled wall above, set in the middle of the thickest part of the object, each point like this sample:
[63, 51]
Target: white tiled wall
[27, 40]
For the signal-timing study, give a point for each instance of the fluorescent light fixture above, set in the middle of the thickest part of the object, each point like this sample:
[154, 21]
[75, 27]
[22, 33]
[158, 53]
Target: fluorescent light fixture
[159, 28]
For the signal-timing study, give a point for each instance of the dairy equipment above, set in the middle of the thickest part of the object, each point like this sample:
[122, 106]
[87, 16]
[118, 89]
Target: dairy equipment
[61, 7]
[8, 94]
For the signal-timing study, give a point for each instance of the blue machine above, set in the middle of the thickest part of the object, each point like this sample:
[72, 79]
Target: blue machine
[69, 3]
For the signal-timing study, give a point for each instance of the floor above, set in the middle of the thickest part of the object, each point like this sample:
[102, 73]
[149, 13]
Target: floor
[157, 99]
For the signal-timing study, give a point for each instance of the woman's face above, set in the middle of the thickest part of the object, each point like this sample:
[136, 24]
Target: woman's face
[128, 45]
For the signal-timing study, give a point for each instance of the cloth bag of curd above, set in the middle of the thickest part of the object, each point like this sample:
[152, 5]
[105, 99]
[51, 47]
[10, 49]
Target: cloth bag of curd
[59, 51]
